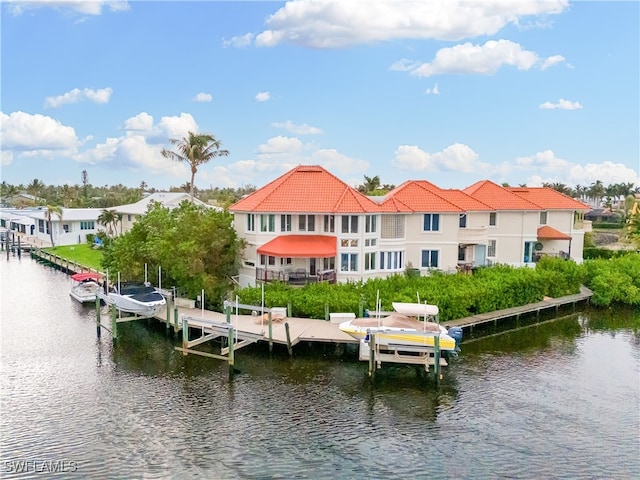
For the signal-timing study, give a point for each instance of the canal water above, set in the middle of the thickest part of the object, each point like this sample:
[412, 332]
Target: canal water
[556, 400]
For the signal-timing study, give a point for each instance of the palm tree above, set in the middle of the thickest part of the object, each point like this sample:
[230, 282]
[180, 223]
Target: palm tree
[196, 149]
[370, 184]
[109, 219]
[49, 213]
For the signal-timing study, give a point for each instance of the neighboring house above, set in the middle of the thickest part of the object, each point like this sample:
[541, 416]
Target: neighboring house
[20, 200]
[70, 229]
[17, 220]
[131, 212]
[307, 225]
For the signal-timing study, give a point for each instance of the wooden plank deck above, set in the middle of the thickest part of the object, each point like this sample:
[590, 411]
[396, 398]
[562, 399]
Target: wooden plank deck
[481, 318]
[300, 329]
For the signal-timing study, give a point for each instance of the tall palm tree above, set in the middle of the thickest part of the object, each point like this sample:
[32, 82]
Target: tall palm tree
[49, 213]
[196, 149]
[109, 219]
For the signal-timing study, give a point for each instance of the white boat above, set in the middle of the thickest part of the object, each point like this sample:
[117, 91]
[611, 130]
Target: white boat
[84, 286]
[402, 330]
[139, 299]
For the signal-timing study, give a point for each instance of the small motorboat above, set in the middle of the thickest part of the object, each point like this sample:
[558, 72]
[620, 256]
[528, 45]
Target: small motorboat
[402, 330]
[84, 286]
[137, 298]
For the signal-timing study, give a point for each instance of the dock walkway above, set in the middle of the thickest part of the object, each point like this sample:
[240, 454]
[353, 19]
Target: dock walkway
[548, 303]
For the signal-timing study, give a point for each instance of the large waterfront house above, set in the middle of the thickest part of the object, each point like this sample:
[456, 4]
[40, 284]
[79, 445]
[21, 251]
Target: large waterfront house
[307, 225]
[70, 228]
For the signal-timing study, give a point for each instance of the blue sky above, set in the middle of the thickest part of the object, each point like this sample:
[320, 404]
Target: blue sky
[522, 92]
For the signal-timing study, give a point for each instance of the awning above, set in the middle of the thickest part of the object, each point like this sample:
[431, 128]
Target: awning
[550, 233]
[81, 277]
[300, 246]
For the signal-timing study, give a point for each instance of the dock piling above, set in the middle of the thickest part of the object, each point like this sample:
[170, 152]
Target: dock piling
[286, 329]
[98, 322]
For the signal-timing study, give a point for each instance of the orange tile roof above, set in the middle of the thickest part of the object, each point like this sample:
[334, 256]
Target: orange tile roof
[550, 233]
[301, 246]
[306, 189]
[498, 197]
[548, 198]
[421, 196]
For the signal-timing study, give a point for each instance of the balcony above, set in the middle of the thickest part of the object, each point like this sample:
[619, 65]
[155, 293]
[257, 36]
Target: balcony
[473, 236]
[297, 277]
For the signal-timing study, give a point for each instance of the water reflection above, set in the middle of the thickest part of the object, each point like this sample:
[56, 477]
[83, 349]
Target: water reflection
[527, 403]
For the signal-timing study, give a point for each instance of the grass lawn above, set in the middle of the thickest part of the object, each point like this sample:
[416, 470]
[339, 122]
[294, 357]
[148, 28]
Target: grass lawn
[81, 253]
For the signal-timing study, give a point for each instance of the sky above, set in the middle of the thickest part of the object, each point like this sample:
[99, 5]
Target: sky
[453, 92]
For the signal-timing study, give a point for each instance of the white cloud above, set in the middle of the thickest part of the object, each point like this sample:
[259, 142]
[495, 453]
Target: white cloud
[85, 7]
[76, 95]
[281, 145]
[433, 91]
[143, 122]
[303, 129]
[203, 97]
[484, 59]
[28, 134]
[168, 127]
[546, 167]
[456, 158]
[262, 96]
[551, 61]
[340, 23]
[561, 105]
[239, 41]
[6, 157]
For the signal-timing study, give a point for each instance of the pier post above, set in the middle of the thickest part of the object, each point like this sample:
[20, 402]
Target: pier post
[185, 335]
[270, 333]
[114, 323]
[231, 353]
[175, 318]
[289, 308]
[436, 358]
[286, 330]
[326, 312]
[361, 308]
[168, 316]
[98, 329]
[372, 355]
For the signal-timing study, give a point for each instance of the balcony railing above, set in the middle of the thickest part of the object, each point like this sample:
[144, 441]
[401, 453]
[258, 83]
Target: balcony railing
[473, 236]
[294, 277]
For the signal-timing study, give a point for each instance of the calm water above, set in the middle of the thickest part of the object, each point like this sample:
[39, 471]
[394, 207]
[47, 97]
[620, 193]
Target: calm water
[559, 400]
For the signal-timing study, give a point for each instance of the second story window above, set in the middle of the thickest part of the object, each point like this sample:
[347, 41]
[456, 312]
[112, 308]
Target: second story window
[307, 223]
[329, 223]
[370, 224]
[431, 222]
[463, 220]
[349, 224]
[267, 223]
[285, 223]
[251, 222]
[493, 219]
[543, 218]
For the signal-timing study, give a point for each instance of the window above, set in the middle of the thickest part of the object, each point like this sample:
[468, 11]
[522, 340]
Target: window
[349, 224]
[462, 253]
[370, 223]
[493, 217]
[491, 248]
[391, 260]
[306, 223]
[392, 226]
[285, 223]
[463, 220]
[87, 225]
[128, 217]
[543, 218]
[251, 222]
[370, 242]
[66, 228]
[267, 260]
[345, 242]
[329, 263]
[286, 261]
[349, 262]
[429, 259]
[431, 222]
[329, 223]
[267, 223]
[370, 261]
[41, 226]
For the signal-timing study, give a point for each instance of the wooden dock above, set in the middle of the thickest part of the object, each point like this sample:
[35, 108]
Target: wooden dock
[515, 312]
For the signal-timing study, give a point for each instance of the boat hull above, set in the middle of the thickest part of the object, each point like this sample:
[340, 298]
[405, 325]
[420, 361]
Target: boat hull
[85, 292]
[128, 304]
[399, 337]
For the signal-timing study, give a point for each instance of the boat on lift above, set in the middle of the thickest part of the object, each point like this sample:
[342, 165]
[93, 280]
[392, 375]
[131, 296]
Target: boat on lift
[85, 286]
[137, 298]
[409, 327]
